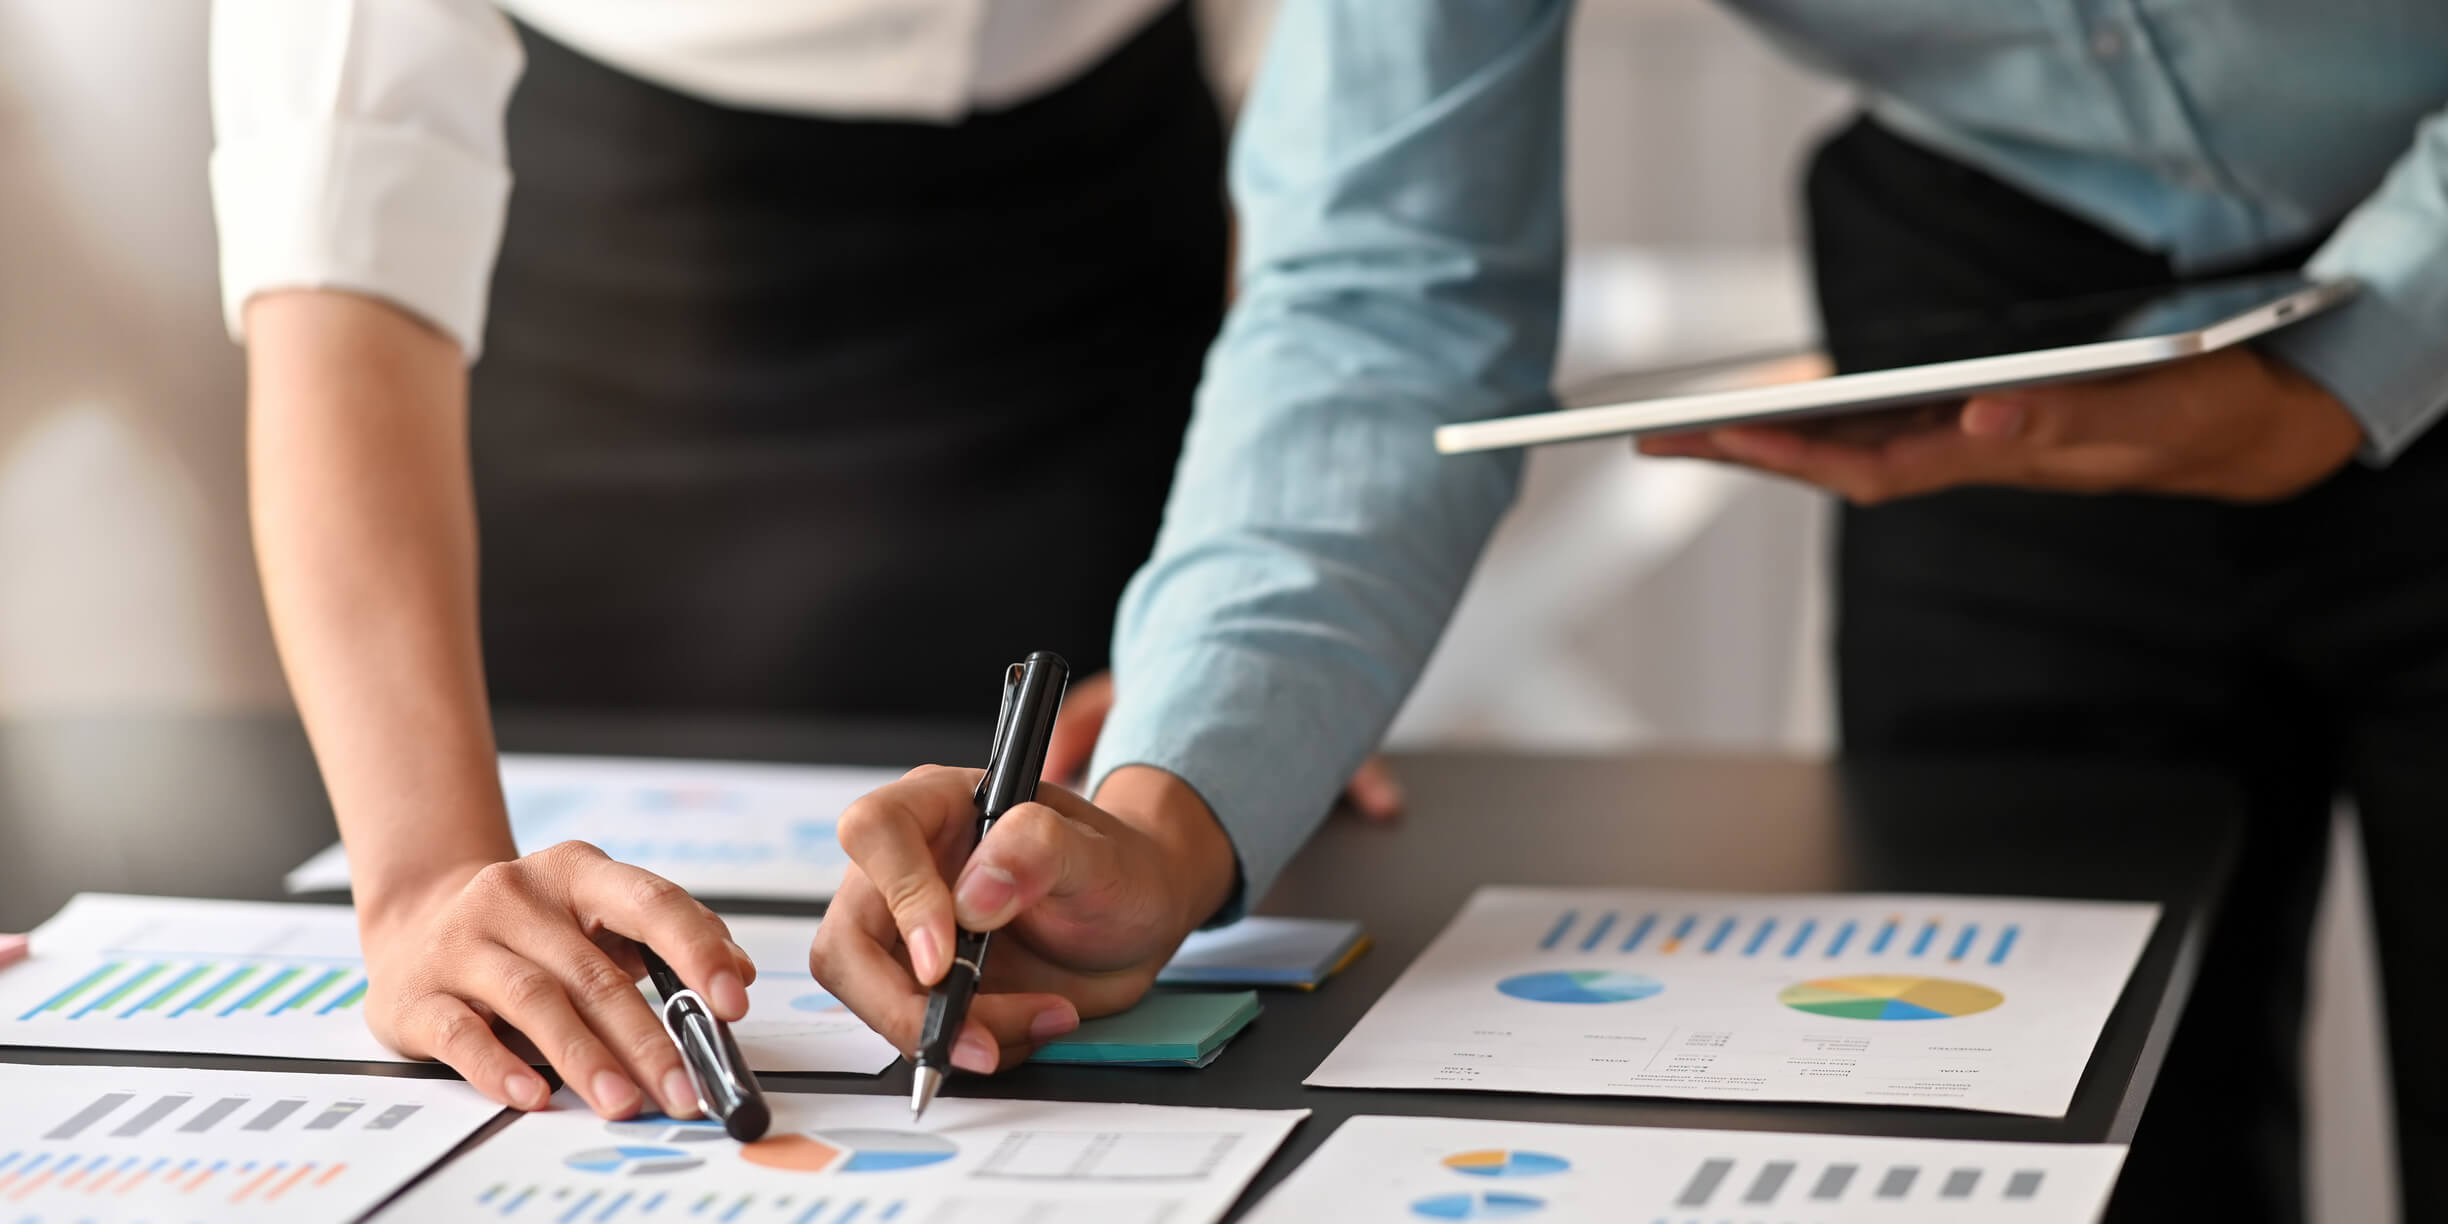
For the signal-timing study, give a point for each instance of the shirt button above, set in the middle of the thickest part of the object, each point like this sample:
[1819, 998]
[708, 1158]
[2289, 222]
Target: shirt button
[2107, 43]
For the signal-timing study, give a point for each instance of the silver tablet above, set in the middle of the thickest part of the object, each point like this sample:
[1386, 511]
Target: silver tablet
[2038, 343]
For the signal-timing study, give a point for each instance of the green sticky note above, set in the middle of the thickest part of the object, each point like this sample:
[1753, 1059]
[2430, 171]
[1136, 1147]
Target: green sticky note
[1185, 1029]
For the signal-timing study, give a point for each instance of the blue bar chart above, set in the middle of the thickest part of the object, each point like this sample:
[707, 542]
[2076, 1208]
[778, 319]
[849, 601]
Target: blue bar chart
[1927, 938]
[124, 987]
[207, 977]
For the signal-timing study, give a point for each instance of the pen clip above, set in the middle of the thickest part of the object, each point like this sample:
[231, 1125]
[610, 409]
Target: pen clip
[718, 1087]
[1003, 717]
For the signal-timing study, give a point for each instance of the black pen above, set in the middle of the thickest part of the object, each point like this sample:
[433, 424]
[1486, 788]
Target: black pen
[726, 1088]
[1032, 694]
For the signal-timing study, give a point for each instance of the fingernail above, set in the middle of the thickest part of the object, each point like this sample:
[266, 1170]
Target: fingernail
[615, 1094]
[926, 958]
[679, 1096]
[525, 1090]
[1992, 418]
[1051, 1023]
[985, 890]
[730, 997]
[974, 1053]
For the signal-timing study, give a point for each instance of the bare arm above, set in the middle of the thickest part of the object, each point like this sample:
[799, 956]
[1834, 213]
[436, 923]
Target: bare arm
[365, 533]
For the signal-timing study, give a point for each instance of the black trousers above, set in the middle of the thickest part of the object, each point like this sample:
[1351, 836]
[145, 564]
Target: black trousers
[2301, 648]
[781, 413]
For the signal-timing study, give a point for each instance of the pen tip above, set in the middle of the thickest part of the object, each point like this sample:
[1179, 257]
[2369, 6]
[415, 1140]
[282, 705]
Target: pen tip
[922, 1090]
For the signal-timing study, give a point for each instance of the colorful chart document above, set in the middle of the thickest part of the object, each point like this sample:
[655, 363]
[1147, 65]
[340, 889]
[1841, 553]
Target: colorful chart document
[715, 828]
[1868, 999]
[1379, 1168]
[161, 1143]
[792, 1023]
[207, 977]
[281, 980]
[858, 1160]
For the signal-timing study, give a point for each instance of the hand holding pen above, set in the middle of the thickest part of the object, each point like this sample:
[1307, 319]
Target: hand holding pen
[1032, 697]
[1086, 902]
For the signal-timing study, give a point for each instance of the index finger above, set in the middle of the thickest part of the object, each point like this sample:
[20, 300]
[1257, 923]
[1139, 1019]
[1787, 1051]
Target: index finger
[890, 835]
[642, 906]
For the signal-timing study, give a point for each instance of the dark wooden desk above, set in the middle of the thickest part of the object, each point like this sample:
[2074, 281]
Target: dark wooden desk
[222, 807]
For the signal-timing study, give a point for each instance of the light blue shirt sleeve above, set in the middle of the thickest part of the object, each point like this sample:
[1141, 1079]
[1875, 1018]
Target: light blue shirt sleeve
[1398, 175]
[2384, 353]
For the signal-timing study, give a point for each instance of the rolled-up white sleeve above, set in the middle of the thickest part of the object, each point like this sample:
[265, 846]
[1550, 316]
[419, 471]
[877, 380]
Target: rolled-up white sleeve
[358, 145]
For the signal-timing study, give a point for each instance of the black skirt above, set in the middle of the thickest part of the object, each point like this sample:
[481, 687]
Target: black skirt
[835, 417]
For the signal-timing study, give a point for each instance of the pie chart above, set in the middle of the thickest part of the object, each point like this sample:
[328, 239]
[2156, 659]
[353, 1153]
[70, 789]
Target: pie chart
[1491, 1205]
[1499, 1162]
[633, 1159]
[850, 1151]
[1580, 986]
[1878, 997]
[817, 1001]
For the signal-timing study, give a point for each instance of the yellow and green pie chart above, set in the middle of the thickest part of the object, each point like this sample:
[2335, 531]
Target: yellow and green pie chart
[1884, 997]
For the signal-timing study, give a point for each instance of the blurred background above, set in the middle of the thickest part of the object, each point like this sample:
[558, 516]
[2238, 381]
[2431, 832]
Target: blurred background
[1625, 604]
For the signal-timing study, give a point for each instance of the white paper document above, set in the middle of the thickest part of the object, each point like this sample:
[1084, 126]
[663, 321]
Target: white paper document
[1413, 1169]
[715, 828]
[284, 980]
[1868, 999]
[792, 1023]
[858, 1160]
[204, 977]
[104, 1144]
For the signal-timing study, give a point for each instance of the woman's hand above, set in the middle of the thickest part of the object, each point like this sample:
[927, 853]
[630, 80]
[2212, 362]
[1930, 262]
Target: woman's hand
[544, 944]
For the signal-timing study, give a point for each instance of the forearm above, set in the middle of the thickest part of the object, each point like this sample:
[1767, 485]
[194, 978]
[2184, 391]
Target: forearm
[1402, 237]
[364, 527]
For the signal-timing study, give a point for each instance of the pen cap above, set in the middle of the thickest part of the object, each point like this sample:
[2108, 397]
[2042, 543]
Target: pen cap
[1024, 732]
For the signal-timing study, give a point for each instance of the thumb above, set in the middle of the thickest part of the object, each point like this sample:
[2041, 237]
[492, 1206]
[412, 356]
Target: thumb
[1077, 727]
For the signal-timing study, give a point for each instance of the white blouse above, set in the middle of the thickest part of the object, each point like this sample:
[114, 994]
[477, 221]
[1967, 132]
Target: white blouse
[358, 144]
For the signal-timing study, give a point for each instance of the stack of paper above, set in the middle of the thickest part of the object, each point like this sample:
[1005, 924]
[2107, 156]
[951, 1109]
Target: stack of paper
[1297, 952]
[1164, 1030]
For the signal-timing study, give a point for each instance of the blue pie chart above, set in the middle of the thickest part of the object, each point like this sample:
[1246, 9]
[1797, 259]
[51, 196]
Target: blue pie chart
[1580, 986]
[1492, 1205]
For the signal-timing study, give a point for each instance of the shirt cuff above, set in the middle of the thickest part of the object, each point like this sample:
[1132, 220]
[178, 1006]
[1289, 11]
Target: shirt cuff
[378, 209]
[1203, 715]
[2388, 371]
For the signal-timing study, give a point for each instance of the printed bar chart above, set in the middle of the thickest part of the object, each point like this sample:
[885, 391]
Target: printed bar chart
[605, 1205]
[1933, 939]
[114, 1145]
[134, 1123]
[117, 990]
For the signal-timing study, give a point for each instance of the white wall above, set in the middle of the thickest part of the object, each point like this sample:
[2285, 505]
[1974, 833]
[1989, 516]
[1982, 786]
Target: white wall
[125, 578]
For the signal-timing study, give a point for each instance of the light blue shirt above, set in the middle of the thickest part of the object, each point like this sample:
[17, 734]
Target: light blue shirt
[1398, 174]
